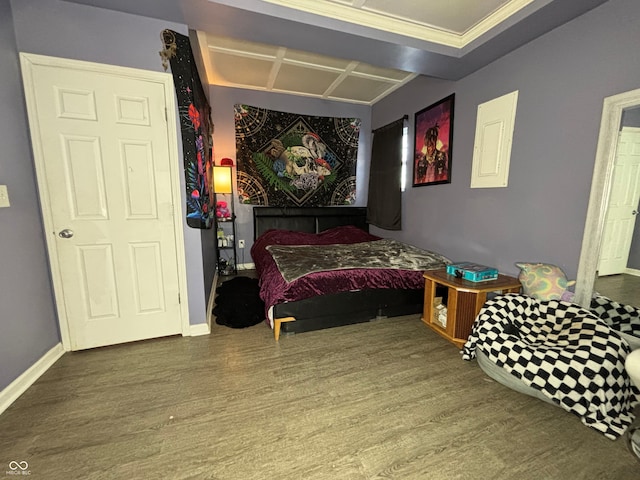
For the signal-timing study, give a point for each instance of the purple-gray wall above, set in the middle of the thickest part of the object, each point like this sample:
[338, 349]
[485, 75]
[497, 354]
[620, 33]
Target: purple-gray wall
[51, 27]
[28, 322]
[223, 100]
[631, 118]
[69, 30]
[634, 252]
[562, 79]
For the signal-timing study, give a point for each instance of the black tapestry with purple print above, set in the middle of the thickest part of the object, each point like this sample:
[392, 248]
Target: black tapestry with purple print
[196, 128]
[286, 159]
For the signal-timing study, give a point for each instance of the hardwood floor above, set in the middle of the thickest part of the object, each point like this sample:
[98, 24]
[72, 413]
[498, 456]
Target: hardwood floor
[388, 399]
[622, 288]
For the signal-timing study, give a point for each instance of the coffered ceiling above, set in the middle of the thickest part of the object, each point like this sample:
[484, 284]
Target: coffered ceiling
[354, 51]
[242, 64]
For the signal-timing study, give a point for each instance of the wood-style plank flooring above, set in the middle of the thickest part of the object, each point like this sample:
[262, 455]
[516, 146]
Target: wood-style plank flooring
[385, 400]
[622, 288]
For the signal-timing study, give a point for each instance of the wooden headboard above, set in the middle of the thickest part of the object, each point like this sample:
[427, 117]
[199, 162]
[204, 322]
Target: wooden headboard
[307, 219]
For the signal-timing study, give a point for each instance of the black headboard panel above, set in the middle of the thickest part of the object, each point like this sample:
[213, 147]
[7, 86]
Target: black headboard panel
[307, 219]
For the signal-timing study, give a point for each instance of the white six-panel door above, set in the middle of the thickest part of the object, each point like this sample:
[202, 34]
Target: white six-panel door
[106, 170]
[623, 204]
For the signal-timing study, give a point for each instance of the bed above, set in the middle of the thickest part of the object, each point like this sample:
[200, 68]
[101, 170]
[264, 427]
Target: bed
[300, 302]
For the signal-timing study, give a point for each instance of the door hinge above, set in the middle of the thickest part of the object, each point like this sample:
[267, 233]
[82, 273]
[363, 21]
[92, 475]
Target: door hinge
[179, 301]
[166, 115]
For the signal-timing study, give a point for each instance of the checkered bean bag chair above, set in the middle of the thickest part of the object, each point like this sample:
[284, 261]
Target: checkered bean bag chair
[624, 319]
[563, 351]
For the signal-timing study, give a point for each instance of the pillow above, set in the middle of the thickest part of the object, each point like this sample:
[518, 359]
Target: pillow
[543, 281]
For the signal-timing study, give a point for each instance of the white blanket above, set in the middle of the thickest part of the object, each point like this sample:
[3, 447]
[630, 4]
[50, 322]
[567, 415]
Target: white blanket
[295, 261]
[562, 350]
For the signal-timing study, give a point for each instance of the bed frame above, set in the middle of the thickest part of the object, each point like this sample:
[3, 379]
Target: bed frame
[307, 219]
[326, 311]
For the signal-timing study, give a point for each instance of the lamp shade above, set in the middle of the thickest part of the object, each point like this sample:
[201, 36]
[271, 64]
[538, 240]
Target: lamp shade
[222, 181]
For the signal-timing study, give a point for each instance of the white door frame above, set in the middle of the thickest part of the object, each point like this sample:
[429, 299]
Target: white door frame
[600, 192]
[27, 61]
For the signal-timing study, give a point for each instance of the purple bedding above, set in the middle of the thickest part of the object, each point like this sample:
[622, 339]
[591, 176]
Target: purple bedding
[274, 289]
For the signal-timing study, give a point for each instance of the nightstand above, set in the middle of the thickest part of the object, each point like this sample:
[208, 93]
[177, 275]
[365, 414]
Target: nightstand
[464, 301]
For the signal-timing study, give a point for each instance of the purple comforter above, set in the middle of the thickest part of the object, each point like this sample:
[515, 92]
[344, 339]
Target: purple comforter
[274, 289]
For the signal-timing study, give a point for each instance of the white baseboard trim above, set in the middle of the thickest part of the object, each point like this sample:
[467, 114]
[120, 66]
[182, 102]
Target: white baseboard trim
[247, 266]
[199, 329]
[20, 385]
[632, 271]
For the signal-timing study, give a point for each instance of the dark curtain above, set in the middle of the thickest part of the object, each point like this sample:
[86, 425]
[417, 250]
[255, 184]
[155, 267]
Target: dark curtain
[384, 206]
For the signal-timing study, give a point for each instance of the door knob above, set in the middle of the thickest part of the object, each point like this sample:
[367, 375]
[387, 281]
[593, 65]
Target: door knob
[66, 233]
[635, 212]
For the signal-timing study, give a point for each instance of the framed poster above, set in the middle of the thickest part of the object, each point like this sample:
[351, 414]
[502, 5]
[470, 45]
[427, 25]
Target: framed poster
[432, 143]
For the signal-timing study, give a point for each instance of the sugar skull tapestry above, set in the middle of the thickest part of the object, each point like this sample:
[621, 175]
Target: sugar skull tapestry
[286, 159]
[196, 127]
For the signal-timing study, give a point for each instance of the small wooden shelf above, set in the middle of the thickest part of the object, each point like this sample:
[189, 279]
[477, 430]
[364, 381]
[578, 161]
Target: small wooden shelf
[227, 256]
[464, 302]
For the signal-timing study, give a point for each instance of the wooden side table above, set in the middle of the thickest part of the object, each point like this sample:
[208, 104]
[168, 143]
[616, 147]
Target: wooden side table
[465, 300]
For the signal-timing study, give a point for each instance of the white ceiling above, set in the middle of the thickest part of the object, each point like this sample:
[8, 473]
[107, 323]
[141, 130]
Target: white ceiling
[274, 68]
[451, 22]
[243, 64]
[354, 51]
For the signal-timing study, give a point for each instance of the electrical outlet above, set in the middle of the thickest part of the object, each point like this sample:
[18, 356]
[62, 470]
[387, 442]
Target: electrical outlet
[240, 243]
[4, 196]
